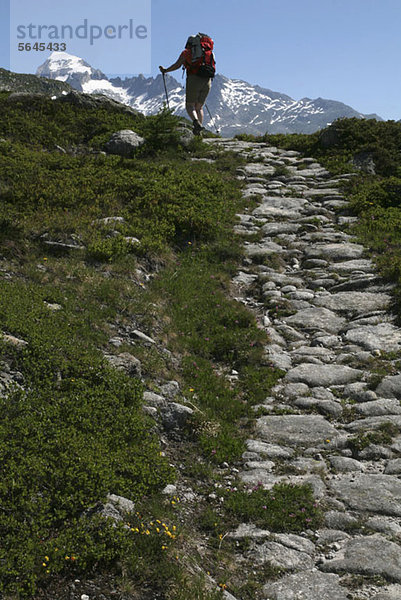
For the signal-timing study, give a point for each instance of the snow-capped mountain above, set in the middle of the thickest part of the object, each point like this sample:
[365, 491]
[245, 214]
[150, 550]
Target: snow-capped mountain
[236, 106]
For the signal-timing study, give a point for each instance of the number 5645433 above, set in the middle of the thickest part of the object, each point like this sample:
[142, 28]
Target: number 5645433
[42, 46]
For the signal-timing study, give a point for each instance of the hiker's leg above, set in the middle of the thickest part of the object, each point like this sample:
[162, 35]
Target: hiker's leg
[203, 91]
[190, 106]
[199, 112]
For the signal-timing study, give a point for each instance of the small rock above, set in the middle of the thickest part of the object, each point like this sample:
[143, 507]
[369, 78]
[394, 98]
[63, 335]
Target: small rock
[109, 221]
[125, 362]
[345, 465]
[124, 504]
[14, 341]
[170, 389]
[154, 399]
[175, 416]
[124, 143]
[53, 306]
[170, 490]
[393, 467]
[143, 336]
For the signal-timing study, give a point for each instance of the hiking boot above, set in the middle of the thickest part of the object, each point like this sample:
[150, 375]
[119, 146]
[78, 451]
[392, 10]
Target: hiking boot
[197, 127]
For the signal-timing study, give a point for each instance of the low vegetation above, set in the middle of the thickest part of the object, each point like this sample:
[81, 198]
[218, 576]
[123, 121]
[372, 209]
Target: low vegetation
[73, 428]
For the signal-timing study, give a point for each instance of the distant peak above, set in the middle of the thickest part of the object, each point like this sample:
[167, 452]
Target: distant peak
[64, 56]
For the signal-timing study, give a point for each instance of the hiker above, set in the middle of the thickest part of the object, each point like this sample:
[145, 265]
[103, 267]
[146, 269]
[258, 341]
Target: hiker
[198, 60]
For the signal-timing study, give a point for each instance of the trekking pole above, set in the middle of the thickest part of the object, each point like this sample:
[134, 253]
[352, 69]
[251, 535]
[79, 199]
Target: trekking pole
[214, 124]
[165, 89]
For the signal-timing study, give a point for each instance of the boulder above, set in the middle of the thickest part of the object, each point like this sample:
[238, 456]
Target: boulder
[124, 143]
[125, 362]
[175, 416]
[364, 161]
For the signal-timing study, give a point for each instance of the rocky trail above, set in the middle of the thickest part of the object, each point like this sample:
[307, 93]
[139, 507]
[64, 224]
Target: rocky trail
[334, 419]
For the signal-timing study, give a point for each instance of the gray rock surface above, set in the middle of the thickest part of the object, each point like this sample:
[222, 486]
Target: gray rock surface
[125, 362]
[354, 303]
[175, 416]
[334, 252]
[369, 493]
[383, 336]
[310, 585]
[385, 558]
[281, 556]
[124, 143]
[315, 319]
[295, 430]
[323, 375]
[390, 387]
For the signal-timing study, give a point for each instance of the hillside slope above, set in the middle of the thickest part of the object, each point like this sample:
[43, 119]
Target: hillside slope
[149, 310]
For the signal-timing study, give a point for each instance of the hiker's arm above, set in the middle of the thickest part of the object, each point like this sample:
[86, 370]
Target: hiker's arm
[178, 63]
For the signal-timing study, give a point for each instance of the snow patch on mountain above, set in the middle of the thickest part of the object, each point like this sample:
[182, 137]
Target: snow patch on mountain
[59, 61]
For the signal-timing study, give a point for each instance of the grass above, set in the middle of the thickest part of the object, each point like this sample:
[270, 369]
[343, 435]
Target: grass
[284, 508]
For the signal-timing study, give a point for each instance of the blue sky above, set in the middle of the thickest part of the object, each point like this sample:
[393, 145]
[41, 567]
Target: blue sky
[346, 50]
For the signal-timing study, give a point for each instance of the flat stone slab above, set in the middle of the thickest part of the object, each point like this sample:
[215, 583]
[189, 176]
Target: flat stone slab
[273, 206]
[335, 251]
[248, 530]
[316, 375]
[259, 169]
[269, 450]
[316, 318]
[257, 477]
[278, 228]
[380, 494]
[390, 387]
[296, 542]
[342, 464]
[310, 585]
[368, 555]
[295, 430]
[263, 249]
[378, 408]
[373, 423]
[349, 266]
[283, 557]
[322, 192]
[354, 303]
[383, 336]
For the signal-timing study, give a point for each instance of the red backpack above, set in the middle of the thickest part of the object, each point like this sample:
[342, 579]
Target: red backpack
[201, 60]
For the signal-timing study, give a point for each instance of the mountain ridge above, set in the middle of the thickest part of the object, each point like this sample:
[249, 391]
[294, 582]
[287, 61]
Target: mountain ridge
[236, 105]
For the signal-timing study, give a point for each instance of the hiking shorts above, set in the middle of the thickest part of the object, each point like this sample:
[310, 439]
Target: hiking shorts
[197, 89]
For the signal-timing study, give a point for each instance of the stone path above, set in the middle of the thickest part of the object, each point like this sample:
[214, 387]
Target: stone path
[332, 421]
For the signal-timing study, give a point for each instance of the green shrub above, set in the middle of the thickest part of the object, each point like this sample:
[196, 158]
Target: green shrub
[285, 507]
